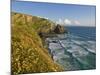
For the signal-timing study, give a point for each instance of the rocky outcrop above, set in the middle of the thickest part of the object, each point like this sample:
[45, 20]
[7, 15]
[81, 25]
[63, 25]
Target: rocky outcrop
[59, 29]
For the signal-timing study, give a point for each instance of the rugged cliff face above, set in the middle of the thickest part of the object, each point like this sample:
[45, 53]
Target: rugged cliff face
[27, 52]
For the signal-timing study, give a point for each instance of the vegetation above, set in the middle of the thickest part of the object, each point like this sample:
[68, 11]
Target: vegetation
[28, 54]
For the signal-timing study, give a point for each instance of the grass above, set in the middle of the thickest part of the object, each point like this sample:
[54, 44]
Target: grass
[28, 54]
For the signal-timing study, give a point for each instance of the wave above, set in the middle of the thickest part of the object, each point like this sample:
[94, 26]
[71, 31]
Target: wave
[72, 52]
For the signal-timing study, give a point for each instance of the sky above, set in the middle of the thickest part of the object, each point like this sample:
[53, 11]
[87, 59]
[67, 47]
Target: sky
[65, 14]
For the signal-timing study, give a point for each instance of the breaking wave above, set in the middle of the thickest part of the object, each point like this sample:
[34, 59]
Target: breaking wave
[72, 52]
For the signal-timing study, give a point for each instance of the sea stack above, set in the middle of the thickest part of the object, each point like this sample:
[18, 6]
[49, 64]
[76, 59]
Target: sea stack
[59, 29]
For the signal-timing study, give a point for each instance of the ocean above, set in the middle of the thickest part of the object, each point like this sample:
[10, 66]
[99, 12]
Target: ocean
[75, 50]
[88, 33]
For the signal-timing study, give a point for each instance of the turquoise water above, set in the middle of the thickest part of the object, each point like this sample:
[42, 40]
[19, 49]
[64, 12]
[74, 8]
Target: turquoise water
[74, 50]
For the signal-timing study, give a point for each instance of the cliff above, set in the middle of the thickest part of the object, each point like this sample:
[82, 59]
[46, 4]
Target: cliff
[28, 54]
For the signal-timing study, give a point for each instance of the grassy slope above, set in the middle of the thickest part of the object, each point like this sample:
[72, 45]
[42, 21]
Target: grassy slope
[28, 54]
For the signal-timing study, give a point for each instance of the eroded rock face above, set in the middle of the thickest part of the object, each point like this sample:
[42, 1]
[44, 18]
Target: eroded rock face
[59, 29]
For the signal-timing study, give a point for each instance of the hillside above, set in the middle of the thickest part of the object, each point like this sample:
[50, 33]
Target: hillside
[28, 54]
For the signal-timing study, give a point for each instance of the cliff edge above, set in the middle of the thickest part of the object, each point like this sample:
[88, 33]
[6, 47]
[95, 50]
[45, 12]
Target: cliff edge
[28, 54]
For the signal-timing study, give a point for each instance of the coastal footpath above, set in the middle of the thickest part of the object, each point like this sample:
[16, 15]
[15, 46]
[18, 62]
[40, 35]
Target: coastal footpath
[28, 51]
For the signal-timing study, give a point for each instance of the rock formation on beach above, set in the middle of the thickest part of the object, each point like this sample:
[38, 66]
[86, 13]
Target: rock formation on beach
[28, 55]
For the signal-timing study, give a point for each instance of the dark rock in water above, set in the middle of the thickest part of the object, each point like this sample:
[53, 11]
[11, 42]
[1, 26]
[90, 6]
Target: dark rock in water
[59, 29]
[54, 41]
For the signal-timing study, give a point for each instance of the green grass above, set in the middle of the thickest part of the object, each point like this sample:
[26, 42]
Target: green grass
[28, 54]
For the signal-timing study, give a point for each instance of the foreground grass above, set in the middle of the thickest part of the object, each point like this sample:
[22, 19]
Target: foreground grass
[28, 54]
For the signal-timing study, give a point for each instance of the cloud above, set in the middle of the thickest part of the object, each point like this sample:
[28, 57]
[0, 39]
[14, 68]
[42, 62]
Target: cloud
[64, 22]
[67, 21]
[76, 22]
[60, 21]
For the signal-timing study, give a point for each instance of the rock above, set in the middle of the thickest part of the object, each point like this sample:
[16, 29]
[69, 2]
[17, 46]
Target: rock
[59, 29]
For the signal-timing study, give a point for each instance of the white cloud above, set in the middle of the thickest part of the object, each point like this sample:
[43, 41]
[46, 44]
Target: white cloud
[60, 21]
[76, 22]
[64, 22]
[67, 21]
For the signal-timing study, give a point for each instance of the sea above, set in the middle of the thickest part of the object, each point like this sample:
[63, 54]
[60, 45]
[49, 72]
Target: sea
[75, 49]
